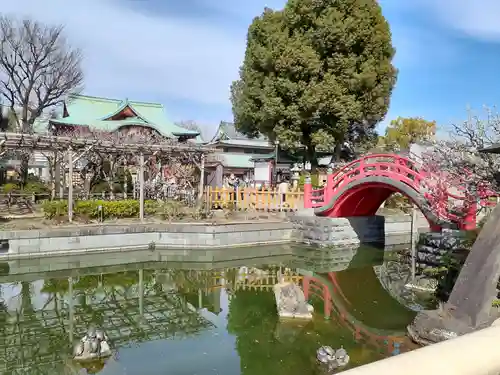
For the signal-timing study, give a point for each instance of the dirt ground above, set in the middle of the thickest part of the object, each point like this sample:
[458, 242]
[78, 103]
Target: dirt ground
[37, 221]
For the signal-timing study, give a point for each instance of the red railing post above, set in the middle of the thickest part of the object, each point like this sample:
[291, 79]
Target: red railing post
[308, 192]
[306, 281]
[328, 188]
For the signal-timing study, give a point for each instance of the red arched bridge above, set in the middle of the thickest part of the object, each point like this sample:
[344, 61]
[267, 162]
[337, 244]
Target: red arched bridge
[361, 187]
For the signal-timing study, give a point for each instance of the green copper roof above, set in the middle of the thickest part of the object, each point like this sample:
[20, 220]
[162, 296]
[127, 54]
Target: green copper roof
[226, 133]
[235, 160]
[95, 112]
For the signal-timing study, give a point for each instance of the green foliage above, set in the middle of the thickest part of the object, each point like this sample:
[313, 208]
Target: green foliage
[101, 187]
[123, 176]
[445, 275]
[314, 181]
[129, 208]
[495, 303]
[171, 210]
[404, 131]
[313, 72]
[9, 188]
[110, 209]
[35, 188]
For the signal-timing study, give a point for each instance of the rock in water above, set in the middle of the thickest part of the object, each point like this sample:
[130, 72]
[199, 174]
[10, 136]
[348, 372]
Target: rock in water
[342, 357]
[91, 333]
[332, 359]
[78, 349]
[325, 354]
[105, 349]
[290, 301]
[94, 345]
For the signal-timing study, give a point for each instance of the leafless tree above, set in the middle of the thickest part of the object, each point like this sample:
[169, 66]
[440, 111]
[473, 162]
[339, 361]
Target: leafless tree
[38, 69]
[189, 125]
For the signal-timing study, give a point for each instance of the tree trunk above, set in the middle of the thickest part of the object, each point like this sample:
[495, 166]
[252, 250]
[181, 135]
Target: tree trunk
[338, 151]
[25, 158]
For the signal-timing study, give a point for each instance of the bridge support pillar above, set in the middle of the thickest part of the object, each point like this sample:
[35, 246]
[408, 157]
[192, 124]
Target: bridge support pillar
[469, 221]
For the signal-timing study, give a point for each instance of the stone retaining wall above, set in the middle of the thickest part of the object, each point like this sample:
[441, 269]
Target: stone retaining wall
[326, 231]
[320, 231]
[146, 236]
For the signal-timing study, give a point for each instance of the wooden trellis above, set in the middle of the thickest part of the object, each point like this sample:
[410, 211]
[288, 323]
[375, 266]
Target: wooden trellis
[77, 147]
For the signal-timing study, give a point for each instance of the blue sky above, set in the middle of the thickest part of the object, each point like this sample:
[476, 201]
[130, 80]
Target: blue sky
[185, 54]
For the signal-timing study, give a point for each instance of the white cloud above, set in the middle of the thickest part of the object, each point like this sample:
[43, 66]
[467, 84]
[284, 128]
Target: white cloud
[476, 18]
[127, 52]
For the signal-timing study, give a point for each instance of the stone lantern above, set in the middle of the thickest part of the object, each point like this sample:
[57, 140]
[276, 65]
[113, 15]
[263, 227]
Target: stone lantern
[295, 175]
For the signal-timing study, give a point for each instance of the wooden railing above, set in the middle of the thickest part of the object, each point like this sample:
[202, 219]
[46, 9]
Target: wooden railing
[253, 199]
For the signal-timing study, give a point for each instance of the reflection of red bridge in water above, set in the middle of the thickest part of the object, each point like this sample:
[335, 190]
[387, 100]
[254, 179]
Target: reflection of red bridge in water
[314, 286]
[360, 188]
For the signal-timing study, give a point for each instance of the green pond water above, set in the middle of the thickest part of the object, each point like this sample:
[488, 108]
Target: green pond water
[202, 312]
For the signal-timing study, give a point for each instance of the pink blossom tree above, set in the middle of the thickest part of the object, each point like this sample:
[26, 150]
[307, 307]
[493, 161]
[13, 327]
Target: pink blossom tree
[459, 177]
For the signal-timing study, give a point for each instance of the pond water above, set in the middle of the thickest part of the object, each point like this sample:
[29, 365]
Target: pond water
[202, 312]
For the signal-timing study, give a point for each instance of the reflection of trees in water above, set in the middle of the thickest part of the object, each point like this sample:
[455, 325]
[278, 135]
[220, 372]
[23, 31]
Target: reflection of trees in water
[27, 339]
[268, 346]
[38, 341]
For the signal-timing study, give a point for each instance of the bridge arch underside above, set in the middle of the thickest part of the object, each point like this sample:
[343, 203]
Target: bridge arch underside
[364, 197]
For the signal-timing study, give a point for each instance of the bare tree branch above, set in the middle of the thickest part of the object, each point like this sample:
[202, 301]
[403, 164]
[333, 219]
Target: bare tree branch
[38, 69]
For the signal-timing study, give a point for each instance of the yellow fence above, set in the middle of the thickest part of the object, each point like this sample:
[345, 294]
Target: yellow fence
[253, 199]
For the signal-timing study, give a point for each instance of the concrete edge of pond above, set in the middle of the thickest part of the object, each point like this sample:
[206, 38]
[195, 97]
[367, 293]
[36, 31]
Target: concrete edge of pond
[78, 240]
[180, 249]
[195, 227]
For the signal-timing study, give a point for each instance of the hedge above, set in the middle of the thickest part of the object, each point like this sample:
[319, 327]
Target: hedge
[314, 181]
[127, 208]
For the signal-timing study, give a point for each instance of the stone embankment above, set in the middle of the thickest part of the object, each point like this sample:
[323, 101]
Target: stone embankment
[340, 232]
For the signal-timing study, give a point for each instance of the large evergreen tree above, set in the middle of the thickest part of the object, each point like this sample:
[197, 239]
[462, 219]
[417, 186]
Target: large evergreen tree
[317, 73]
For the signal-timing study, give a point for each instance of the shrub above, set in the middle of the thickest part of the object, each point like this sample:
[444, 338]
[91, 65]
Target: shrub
[53, 209]
[129, 208]
[101, 187]
[315, 182]
[170, 210]
[110, 209]
[9, 188]
[36, 187]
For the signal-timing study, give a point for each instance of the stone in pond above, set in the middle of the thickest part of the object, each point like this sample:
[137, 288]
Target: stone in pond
[290, 301]
[93, 346]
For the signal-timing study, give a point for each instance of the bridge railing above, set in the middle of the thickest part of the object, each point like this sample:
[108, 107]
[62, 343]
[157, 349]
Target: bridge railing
[387, 165]
[446, 200]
